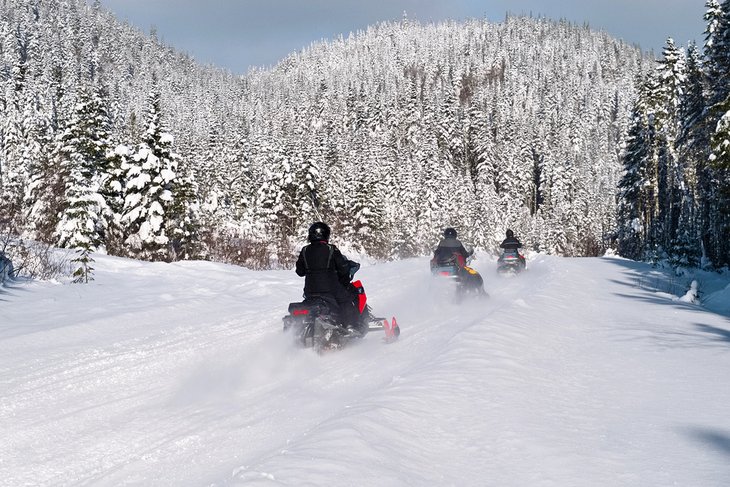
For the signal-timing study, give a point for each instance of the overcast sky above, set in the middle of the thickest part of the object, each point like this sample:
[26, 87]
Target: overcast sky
[238, 34]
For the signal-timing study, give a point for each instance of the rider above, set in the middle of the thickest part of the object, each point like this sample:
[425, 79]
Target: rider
[327, 272]
[450, 245]
[512, 243]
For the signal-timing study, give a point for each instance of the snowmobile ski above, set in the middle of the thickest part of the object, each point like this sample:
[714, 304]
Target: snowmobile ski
[392, 330]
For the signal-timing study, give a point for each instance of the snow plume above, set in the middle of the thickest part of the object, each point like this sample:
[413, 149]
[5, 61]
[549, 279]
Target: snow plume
[226, 378]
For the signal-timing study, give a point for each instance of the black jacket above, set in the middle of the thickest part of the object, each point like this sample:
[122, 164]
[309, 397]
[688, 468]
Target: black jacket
[511, 243]
[446, 249]
[325, 270]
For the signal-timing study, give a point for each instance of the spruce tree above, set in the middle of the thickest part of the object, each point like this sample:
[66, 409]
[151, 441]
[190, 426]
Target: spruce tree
[720, 163]
[113, 189]
[635, 208]
[693, 153]
[83, 150]
[183, 218]
[671, 178]
[149, 191]
[717, 52]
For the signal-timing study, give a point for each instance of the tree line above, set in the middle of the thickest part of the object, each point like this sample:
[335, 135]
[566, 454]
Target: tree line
[112, 141]
[675, 191]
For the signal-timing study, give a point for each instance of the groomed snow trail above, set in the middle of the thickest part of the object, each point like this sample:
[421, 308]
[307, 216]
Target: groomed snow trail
[178, 374]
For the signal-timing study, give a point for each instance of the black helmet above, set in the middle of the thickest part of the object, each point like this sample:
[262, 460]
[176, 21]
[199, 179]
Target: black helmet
[510, 233]
[449, 233]
[318, 231]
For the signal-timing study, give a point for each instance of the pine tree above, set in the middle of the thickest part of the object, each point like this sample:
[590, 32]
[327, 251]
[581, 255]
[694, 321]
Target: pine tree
[717, 51]
[83, 150]
[276, 208]
[636, 207]
[149, 191]
[671, 79]
[44, 195]
[693, 153]
[369, 223]
[112, 189]
[183, 218]
[720, 163]
[14, 171]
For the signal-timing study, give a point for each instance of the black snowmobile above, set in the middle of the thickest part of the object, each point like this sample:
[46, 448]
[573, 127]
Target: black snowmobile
[467, 281]
[511, 262]
[316, 322]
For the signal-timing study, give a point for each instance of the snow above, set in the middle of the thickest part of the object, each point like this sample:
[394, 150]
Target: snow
[138, 182]
[691, 295]
[121, 150]
[577, 372]
[167, 175]
[719, 301]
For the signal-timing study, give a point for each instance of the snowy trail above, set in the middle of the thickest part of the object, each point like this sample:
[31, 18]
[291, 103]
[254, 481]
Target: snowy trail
[568, 375]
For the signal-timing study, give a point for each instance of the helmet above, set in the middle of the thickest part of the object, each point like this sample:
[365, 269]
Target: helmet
[449, 233]
[318, 231]
[510, 233]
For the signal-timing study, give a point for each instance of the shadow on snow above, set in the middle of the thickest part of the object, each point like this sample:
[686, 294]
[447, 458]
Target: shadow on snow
[642, 276]
[718, 334]
[8, 289]
[715, 440]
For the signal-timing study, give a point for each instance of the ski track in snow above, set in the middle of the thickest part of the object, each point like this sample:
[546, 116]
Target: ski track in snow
[178, 374]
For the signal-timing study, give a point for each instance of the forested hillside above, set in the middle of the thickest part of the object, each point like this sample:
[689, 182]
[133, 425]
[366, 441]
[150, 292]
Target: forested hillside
[111, 139]
[406, 128]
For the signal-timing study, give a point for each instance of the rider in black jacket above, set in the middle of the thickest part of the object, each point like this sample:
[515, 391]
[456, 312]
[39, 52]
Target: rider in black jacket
[448, 246]
[511, 243]
[326, 273]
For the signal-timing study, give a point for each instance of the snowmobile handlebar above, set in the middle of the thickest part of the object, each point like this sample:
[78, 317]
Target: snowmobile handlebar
[354, 267]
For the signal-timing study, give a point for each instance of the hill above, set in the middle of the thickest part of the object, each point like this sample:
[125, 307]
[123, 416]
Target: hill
[389, 134]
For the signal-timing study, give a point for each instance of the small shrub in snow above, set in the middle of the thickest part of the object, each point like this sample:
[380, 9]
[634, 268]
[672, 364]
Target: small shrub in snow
[237, 250]
[34, 260]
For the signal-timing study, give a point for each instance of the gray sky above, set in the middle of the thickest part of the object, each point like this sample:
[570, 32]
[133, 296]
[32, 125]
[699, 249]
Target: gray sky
[238, 34]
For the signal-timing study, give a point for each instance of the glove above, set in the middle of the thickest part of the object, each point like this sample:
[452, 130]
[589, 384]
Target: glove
[354, 267]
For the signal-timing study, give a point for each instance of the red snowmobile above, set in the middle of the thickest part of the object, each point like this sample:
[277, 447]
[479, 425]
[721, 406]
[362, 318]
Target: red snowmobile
[316, 322]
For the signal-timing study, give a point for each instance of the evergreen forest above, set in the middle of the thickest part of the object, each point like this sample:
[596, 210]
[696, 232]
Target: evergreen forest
[112, 141]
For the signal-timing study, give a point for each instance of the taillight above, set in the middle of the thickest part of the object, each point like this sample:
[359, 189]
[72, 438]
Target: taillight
[300, 312]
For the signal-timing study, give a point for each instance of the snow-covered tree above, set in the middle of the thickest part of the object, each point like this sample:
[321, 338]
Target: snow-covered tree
[636, 188]
[83, 147]
[149, 196]
[112, 189]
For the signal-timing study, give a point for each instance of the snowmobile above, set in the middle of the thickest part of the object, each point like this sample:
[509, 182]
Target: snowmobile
[511, 262]
[316, 323]
[466, 280]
